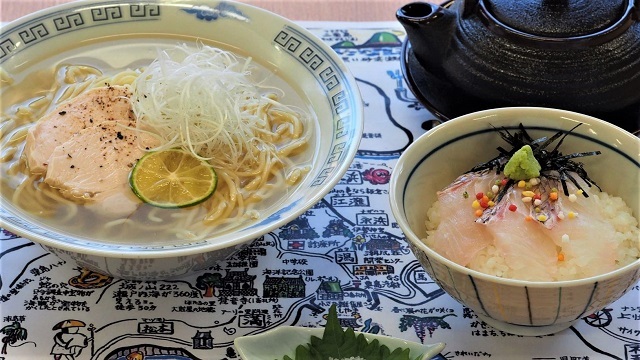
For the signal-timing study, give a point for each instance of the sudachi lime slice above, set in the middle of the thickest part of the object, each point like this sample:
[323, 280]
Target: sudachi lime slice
[172, 179]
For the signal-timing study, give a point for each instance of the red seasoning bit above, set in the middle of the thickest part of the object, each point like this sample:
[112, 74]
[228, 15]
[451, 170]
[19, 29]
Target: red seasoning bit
[513, 207]
[479, 195]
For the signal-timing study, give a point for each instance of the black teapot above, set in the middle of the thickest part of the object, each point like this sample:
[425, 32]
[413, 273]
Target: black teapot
[579, 55]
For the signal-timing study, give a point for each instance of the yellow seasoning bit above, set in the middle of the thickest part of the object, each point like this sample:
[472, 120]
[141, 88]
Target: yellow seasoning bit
[542, 217]
[579, 192]
[475, 204]
[527, 199]
[572, 215]
[528, 193]
[491, 203]
[522, 183]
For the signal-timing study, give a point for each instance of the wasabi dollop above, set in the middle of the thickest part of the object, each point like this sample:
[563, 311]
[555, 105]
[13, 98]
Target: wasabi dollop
[522, 165]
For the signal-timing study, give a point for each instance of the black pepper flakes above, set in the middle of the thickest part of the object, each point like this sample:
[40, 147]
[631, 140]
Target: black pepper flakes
[62, 113]
[119, 135]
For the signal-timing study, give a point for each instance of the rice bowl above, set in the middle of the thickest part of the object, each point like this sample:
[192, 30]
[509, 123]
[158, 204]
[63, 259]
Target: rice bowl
[515, 306]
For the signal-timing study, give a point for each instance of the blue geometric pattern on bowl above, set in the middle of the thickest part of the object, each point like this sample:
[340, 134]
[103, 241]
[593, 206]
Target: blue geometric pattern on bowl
[327, 71]
[16, 39]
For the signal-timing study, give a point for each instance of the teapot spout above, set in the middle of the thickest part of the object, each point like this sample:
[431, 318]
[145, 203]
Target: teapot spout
[429, 29]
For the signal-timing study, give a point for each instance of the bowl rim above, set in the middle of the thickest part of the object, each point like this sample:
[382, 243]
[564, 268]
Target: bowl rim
[396, 197]
[256, 228]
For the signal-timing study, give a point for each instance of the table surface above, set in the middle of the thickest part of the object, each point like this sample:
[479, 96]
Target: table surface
[355, 248]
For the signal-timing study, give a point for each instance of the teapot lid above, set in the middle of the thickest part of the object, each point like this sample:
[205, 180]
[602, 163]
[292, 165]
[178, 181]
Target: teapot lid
[557, 18]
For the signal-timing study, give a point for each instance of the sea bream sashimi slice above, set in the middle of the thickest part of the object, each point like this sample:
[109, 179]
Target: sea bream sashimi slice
[524, 244]
[108, 103]
[585, 235]
[93, 166]
[458, 236]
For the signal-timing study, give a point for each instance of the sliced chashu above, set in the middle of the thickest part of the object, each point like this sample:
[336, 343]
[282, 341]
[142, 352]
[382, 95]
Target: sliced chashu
[109, 103]
[93, 166]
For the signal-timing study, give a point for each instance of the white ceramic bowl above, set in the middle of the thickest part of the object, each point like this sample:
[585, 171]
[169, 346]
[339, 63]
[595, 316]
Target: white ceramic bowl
[282, 341]
[521, 307]
[127, 34]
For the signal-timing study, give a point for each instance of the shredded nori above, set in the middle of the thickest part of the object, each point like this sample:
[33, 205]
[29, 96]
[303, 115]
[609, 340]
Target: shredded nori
[554, 164]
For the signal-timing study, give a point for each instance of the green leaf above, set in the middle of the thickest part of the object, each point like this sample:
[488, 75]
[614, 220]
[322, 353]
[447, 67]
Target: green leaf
[302, 353]
[340, 344]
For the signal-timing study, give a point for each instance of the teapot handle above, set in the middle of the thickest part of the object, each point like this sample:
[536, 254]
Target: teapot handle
[469, 7]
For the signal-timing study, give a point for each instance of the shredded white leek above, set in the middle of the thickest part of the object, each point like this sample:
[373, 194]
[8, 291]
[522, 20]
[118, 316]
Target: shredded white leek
[202, 100]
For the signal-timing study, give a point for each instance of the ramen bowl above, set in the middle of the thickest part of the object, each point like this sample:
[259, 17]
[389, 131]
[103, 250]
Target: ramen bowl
[522, 307]
[114, 36]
